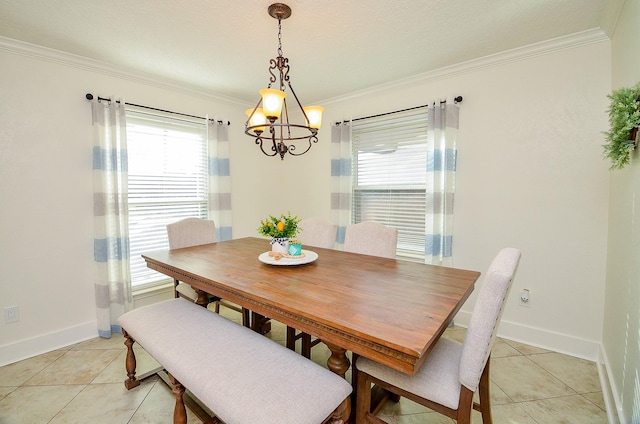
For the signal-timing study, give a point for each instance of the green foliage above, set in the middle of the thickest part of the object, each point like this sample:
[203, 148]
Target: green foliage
[623, 117]
[282, 226]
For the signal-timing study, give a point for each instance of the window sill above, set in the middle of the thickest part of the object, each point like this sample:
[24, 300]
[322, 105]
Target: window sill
[152, 290]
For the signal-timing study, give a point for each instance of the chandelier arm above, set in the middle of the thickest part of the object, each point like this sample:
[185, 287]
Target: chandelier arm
[306, 118]
[292, 148]
[259, 141]
[273, 65]
[284, 75]
[286, 114]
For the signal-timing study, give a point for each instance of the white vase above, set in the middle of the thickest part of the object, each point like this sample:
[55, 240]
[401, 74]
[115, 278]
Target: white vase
[280, 245]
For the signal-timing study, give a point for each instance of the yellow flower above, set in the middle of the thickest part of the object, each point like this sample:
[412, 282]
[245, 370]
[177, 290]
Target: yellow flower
[282, 226]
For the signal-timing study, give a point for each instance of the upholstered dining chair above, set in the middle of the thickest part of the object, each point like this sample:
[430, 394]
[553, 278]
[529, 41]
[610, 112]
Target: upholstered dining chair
[371, 238]
[194, 232]
[453, 371]
[314, 232]
[317, 232]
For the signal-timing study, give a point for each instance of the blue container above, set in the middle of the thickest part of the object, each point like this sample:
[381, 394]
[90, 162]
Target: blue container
[295, 249]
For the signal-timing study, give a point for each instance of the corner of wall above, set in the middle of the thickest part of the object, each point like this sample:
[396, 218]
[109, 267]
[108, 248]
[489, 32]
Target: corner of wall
[609, 392]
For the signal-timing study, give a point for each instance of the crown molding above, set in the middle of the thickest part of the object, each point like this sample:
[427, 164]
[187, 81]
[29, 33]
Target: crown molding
[592, 36]
[572, 41]
[46, 54]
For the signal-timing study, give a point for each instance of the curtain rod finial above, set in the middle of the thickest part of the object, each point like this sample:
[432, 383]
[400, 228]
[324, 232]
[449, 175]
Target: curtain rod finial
[89, 96]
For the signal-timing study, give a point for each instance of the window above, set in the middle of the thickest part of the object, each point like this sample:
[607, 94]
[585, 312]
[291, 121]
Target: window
[389, 176]
[168, 178]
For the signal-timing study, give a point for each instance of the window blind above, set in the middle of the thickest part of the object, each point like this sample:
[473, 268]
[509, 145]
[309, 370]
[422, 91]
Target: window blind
[389, 176]
[168, 177]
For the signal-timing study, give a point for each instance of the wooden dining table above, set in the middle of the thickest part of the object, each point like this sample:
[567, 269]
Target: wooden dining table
[391, 311]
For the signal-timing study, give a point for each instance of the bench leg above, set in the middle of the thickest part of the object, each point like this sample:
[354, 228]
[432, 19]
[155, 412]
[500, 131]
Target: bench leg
[341, 414]
[179, 411]
[130, 362]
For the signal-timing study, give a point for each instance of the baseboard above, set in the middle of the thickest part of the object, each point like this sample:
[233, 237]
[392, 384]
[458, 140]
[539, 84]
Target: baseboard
[23, 349]
[545, 339]
[610, 394]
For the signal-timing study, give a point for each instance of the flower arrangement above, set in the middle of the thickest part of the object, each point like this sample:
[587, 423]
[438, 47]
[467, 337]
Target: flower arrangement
[284, 226]
[624, 116]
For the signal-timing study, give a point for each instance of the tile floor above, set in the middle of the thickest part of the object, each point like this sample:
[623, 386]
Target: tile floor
[84, 383]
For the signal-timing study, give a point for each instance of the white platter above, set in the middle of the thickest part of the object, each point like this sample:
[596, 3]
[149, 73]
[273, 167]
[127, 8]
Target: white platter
[307, 257]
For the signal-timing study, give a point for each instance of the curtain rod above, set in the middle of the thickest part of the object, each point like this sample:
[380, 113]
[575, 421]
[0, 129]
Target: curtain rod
[456, 99]
[89, 96]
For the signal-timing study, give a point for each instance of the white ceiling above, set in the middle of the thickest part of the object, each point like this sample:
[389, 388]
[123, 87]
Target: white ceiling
[334, 47]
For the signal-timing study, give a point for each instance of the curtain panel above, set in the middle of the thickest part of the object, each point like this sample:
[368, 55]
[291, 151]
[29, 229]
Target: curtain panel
[219, 178]
[112, 277]
[442, 135]
[341, 190]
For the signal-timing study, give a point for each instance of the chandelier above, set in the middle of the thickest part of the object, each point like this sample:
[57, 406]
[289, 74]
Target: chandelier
[269, 122]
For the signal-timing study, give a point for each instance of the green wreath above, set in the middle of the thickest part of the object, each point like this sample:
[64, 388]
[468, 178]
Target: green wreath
[624, 116]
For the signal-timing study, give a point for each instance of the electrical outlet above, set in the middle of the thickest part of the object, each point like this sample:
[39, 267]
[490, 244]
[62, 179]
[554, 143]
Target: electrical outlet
[11, 314]
[525, 298]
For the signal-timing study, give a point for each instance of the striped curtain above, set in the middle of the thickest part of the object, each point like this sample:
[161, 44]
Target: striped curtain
[219, 178]
[112, 277]
[341, 178]
[441, 167]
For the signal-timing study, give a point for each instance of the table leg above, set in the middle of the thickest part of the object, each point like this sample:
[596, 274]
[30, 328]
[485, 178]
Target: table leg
[338, 361]
[203, 298]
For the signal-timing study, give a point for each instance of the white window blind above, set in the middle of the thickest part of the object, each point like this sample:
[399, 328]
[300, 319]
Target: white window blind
[168, 178]
[389, 176]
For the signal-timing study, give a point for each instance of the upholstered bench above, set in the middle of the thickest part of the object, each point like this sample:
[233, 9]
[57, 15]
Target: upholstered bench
[243, 377]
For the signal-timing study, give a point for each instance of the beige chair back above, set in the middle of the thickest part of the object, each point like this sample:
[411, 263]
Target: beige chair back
[191, 232]
[485, 318]
[317, 232]
[371, 238]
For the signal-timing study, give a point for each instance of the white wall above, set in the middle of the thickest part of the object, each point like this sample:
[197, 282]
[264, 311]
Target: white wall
[46, 210]
[530, 176]
[621, 344]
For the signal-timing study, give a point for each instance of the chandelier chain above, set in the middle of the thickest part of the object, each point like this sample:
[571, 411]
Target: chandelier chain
[279, 37]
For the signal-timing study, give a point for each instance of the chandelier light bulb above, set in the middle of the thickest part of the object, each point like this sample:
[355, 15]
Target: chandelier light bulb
[257, 118]
[272, 101]
[314, 116]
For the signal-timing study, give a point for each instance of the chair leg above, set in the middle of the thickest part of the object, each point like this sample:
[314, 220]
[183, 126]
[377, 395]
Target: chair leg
[291, 338]
[484, 395]
[465, 406]
[363, 393]
[306, 345]
[259, 323]
[246, 319]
